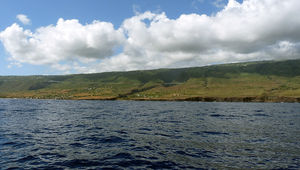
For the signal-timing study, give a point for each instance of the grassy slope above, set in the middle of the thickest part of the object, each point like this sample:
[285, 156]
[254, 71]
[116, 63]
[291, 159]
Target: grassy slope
[254, 81]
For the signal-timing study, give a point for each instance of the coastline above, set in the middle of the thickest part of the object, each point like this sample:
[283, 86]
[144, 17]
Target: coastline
[268, 81]
[273, 99]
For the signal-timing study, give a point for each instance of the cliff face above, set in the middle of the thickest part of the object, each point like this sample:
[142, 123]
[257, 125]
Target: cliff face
[269, 81]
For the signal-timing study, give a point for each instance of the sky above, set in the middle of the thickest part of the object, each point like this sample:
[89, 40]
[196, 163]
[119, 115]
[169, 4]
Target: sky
[88, 36]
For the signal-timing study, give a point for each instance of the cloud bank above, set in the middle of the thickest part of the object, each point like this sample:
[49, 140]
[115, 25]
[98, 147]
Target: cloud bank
[23, 19]
[252, 30]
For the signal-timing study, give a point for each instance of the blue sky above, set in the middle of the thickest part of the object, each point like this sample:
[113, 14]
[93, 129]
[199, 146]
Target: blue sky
[47, 12]
[155, 51]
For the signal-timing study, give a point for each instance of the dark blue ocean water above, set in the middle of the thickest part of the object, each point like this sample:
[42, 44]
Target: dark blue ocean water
[160, 135]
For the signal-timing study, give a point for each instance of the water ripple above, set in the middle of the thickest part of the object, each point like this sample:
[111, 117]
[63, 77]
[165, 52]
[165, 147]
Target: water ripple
[58, 134]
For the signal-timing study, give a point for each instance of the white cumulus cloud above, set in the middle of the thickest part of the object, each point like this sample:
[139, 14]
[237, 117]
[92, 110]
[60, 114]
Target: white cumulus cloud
[23, 19]
[252, 30]
[68, 40]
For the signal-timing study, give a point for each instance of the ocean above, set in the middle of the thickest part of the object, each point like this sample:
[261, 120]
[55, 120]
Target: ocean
[66, 134]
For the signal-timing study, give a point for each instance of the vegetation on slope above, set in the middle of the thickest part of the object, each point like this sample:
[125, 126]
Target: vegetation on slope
[252, 81]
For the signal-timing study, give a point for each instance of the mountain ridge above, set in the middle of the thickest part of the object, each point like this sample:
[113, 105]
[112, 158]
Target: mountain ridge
[261, 81]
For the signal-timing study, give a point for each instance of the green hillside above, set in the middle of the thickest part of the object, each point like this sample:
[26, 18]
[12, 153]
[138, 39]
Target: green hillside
[267, 81]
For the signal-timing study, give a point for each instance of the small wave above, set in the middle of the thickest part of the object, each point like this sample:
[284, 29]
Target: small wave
[261, 114]
[78, 163]
[95, 128]
[9, 143]
[48, 167]
[49, 154]
[143, 163]
[217, 115]
[198, 154]
[161, 134]
[210, 133]
[258, 140]
[27, 158]
[132, 163]
[163, 165]
[144, 148]
[112, 139]
[120, 160]
[109, 139]
[123, 132]
[122, 156]
[77, 144]
[17, 110]
[80, 126]
[15, 145]
[149, 158]
[214, 133]
[144, 129]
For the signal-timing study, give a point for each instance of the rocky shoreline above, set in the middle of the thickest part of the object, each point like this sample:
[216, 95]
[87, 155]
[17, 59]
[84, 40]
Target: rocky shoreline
[272, 99]
[269, 99]
[227, 99]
